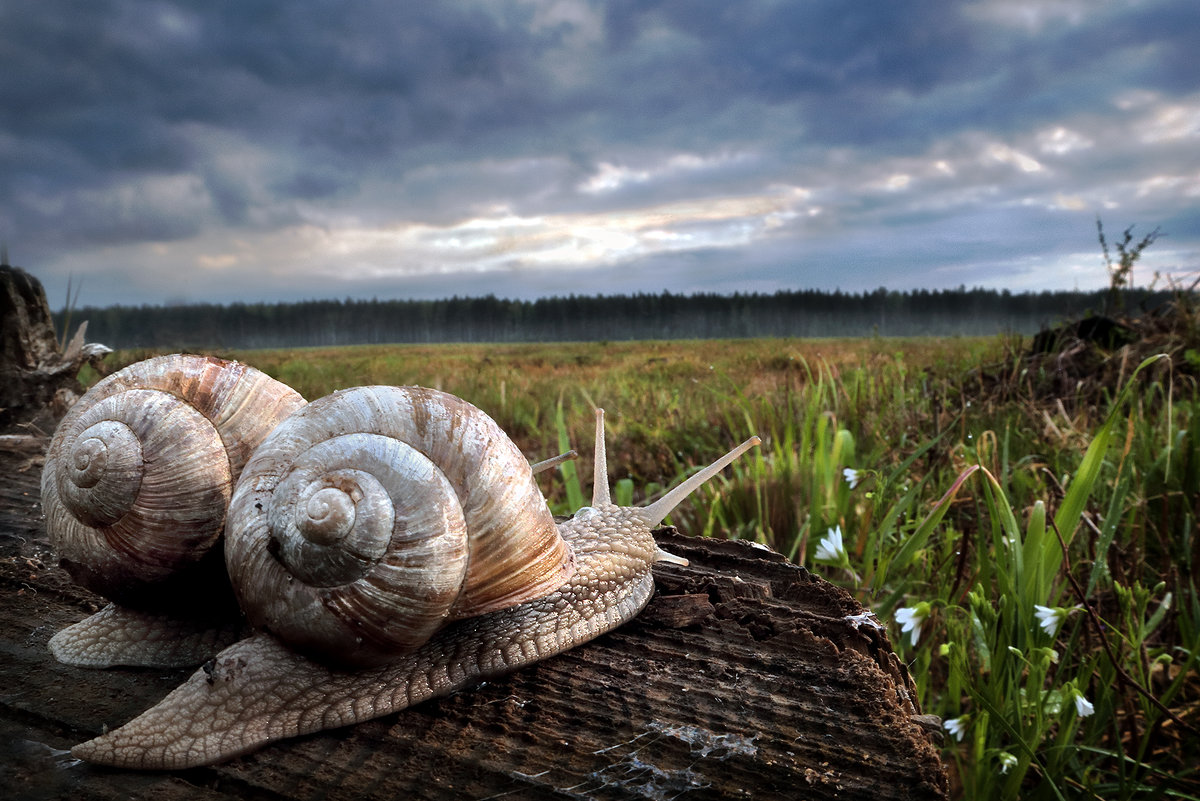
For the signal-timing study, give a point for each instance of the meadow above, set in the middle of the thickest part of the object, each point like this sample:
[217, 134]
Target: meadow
[1032, 552]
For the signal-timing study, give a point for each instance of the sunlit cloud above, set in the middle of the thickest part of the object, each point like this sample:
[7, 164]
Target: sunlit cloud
[1059, 141]
[1132, 99]
[1171, 121]
[1007, 155]
[1032, 15]
[1069, 202]
[609, 177]
[1186, 186]
[565, 241]
[218, 261]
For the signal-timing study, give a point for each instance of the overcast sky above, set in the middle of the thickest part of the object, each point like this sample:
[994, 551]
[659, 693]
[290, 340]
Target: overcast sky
[221, 151]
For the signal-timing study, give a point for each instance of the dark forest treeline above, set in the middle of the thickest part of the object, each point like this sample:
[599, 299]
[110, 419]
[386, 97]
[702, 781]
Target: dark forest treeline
[802, 313]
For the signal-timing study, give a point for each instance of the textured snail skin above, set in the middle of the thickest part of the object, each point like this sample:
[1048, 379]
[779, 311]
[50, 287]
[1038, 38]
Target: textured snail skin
[258, 691]
[117, 635]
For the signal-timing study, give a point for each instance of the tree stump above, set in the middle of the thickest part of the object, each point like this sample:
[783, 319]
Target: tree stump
[746, 677]
[37, 379]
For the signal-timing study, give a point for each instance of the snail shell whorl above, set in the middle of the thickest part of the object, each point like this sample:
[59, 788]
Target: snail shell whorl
[139, 473]
[375, 515]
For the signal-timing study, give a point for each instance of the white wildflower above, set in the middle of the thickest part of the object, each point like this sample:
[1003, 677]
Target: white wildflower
[831, 549]
[1051, 618]
[957, 727]
[911, 618]
[1007, 761]
[1048, 618]
[1083, 707]
[852, 476]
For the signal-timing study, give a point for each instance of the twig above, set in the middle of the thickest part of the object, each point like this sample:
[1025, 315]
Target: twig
[960, 571]
[22, 442]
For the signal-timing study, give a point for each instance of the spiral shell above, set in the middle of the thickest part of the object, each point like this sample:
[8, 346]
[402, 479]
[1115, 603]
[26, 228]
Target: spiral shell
[139, 473]
[375, 515]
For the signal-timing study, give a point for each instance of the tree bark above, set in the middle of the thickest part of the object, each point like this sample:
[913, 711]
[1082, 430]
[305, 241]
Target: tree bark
[746, 677]
[37, 380]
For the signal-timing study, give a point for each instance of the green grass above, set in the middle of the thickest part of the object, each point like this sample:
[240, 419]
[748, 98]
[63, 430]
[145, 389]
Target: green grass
[964, 503]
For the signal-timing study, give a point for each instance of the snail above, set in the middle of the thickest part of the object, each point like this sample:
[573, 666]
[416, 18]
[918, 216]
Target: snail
[135, 489]
[334, 663]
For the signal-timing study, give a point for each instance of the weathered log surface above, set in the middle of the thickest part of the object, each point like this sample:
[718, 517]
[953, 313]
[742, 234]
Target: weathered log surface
[37, 380]
[746, 677]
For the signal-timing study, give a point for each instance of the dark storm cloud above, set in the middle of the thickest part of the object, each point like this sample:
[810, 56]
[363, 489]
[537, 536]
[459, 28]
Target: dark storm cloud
[216, 134]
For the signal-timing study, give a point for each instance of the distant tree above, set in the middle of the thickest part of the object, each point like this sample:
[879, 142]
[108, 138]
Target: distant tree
[1120, 273]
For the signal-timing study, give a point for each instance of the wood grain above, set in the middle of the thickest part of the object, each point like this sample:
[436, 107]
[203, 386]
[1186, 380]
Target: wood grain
[765, 681]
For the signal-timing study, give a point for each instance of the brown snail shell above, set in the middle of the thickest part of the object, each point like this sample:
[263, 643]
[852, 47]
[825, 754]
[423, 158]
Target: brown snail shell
[139, 474]
[374, 516]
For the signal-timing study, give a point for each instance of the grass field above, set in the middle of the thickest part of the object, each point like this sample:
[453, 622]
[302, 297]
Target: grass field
[1060, 675]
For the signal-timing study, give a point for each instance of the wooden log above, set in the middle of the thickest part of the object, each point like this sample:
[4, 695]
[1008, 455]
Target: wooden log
[37, 379]
[746, 677]
[27, 337]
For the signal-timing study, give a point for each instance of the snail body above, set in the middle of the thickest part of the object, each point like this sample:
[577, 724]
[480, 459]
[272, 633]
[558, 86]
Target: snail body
[135, 489]
[264, 689]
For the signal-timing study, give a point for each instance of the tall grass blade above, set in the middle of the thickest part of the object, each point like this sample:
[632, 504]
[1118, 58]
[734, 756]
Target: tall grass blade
[570, 474]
